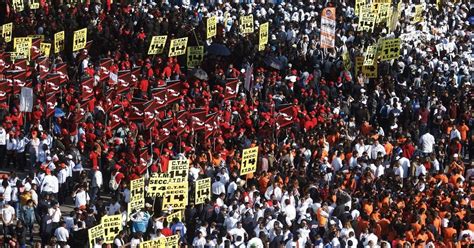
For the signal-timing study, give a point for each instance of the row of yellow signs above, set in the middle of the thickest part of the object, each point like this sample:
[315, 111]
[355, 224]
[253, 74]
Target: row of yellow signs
[380, 11]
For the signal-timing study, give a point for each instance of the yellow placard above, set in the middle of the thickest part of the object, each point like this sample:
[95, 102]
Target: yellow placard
[418, 17]
[155, 243]
[58, 42]
[37, 36]
[178, 47]
[157, 44]
[172, 241]
[45, 48]
[370, 55]
[137, 195]
[359, 62]
[246, 24]
[346, 60]
[177, 214]
[384, 12]
[112, 225]
[195, 56]
[18, 5]
[439, 4]
[176, 196]
[366, 19]
[22, 47]
[249, 161]
[34, 4]
[389, 49]
[157, 185]
[79, 40]
[359, 4]
[202, 190]
[7, 30]
[178, 171]
[370, 71]
[211, 27]
[263, 36]
[94, 233]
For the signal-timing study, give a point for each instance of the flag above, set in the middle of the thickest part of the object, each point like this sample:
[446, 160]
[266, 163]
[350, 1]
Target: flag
[211, 125]
[16, 79]
[328, 27]
[181, 122]
[135, 75]
[50, 104]
[136, 110]
[198, 119]
[3, 61]
[105, 64]
[159, 98]
[165, 131]
[173, 91]
[20, 64]
[231, 89]
[149, 113]
[115, 119]
[62, 70]
[35, 50]
[51, 82]
[5, 90]
[123, 81]
[87, 89]
[43, 67]
[284, 117]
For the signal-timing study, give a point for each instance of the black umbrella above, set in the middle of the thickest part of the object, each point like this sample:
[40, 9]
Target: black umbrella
[273, 63]
[199, 74]
[218, 49]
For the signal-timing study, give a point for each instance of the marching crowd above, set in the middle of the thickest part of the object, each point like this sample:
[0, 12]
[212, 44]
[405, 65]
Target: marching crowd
[352, 161]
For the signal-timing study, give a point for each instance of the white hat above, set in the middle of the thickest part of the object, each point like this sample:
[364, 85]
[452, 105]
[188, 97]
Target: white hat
[48, 158]
[69, 156]
[455, 155]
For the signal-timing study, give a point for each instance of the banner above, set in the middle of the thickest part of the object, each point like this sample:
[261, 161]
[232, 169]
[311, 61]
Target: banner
[137, 195]
[202, 190]
[176, 196]
[94, 233]
[34, 4]
[178, 47]
[112, 225]
[246, 24]
[157, 185]
[366, 19]
[249, 161]
[370, 71]
[263, 36]
[157, 44]
[418, 17]
[18, 5]
[58, 42]
[7, 30]
[369, 56]
[26, 99]
[195, 56]
[177, 214]
[80, 39]
[178, 171]
[45, 48]
[390, 49]
[22, 47]
[328, 27]
[211, 27]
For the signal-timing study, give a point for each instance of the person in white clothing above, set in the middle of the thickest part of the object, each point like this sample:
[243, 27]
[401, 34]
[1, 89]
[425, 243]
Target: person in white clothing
[427, 142]
[62, 234]
[218, 187]
[96, 184]
[50, 183]
[3, 144]
[81, 197]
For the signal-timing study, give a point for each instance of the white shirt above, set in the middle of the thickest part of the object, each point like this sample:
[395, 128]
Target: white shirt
[97, 179]
[81, 198]
[55, 214]
[7, 193]
[7, 214]
[199, 242]
[218, 188]
[11, 143]
[20, 147]
[50, 184]
[62, 175]
[405, 164]
[113, 208]
[454, 134]
[239, 235]
[420, 170]
[336, 164]
[62, 234]
[427, 142]
[376, 148]
[3, 136]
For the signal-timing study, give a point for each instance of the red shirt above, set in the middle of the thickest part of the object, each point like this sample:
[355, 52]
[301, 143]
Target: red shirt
[94, 159]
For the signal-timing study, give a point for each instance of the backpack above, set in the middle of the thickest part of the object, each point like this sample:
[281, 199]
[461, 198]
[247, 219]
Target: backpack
[113, 183]
[25, 197]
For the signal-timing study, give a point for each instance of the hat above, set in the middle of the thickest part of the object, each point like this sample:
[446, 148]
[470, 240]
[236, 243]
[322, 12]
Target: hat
[455, 155]
[69, 156]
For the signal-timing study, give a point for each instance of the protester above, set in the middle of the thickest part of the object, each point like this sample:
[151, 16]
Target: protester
[349, 154]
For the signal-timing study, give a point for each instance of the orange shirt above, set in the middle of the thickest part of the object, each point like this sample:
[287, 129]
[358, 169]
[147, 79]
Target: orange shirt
[463, 130]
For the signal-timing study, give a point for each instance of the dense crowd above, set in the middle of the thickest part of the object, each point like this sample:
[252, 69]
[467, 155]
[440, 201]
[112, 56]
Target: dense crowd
[343, 161]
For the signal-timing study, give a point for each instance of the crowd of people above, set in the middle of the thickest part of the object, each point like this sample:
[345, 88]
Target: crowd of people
[355, 162]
